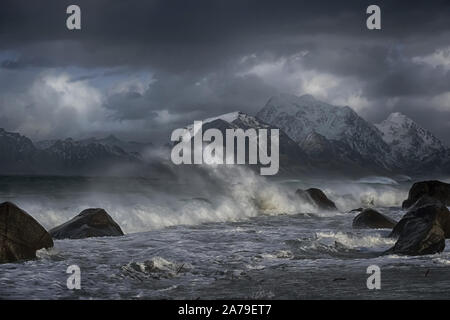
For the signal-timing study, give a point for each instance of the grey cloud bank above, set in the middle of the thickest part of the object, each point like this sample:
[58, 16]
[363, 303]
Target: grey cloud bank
[140, 69]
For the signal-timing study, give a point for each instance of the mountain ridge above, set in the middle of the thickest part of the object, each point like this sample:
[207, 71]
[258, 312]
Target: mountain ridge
[356, 140]
[397, 144]
[315, 137]
[19, 155]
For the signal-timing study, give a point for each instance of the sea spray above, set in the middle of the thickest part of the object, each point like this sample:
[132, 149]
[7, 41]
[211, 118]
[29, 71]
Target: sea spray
[222, 193]
[199, 195]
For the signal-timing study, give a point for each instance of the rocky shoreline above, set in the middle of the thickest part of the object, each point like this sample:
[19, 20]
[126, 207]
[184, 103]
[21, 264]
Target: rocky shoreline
[422, 230]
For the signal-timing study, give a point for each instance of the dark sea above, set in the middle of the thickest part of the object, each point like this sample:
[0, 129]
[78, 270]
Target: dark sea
[227, 234]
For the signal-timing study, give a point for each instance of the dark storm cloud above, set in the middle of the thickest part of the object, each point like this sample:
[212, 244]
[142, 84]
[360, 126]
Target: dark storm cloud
[409, 79]
[209, 57]
[192, 96]
[191, 34]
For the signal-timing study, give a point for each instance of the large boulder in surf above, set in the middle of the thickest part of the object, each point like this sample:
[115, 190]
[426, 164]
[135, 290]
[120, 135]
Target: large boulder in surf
[422, 230]
[316, 197]
[370, 218]
[20, 234]
[423, 201]
[434, 189]
[422, 213]
[89, 223]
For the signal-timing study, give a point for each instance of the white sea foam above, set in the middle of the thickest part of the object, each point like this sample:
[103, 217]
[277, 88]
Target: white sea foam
[349, 196]
[352, 241]
[201, 195]
[156, 267]
[378, 180]
[442, 261]
[219, 194]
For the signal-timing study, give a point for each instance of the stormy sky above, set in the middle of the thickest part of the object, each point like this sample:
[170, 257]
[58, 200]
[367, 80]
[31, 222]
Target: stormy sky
[140, 69]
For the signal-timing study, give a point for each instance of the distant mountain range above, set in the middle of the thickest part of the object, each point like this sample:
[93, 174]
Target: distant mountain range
[19, 155]
[111, 141]
[315, 138]
[414, 148]
[334, 138]
[292, 157]
[321, 138]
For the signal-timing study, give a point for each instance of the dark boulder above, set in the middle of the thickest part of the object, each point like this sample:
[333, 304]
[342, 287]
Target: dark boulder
[434, 189]
[316, 197]
[356, 210]
[418, 212]
[423, 201]
[89, 223]
[370, 218]
[422, 230]
[20, 234]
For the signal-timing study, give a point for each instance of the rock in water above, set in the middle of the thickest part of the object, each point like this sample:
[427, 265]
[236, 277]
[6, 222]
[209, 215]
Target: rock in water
[416, 212]
[20, 234]
[422, 230]
[370, 218]
[89, 223]
[423, 201]
[434, 189]
[317, 197]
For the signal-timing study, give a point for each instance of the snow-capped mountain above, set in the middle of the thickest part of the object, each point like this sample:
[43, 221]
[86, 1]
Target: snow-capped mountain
[292, 158]
[333, 139]
[236, 120]
[318, 147]
[315, 138]
[411, 145]
[341, 131]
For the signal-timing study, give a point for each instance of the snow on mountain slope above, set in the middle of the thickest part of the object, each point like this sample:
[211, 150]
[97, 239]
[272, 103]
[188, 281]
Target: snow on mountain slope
[358, 140]
[236, 118]
[291, 155]
[409, 141]
[299, 116]
[228, 117]
[317, 146]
